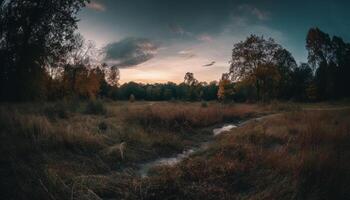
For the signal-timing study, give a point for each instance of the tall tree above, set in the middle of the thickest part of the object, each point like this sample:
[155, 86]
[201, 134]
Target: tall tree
[260, 62]
[249, 54]
[319, 47]
[330, 58]
[285, 64]
[34, 34]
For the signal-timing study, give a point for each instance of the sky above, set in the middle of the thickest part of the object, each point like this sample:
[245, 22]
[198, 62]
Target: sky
[160, 40]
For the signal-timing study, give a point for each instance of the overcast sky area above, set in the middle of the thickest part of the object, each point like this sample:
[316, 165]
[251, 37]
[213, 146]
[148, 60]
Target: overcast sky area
[160, 40]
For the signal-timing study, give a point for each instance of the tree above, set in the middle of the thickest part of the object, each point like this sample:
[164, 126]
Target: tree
[330, 59]
[132, 98]
[189, 79]
[286, 64]
[319, 47]
[302, 78]
[210, 91]
[226, 89]
[260, 63]
[112, 74]
[34, 34]
[249, 54]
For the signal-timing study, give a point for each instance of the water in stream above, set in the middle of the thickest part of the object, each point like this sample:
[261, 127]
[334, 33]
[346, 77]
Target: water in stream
[144, 168]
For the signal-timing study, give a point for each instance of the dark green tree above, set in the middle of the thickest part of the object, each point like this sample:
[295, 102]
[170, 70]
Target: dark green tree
[34, 35]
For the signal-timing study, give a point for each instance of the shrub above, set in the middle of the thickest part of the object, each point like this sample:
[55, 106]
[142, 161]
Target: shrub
[102, 126]
[58, 110]
[95, 107]
[132, 98]
[204, 104]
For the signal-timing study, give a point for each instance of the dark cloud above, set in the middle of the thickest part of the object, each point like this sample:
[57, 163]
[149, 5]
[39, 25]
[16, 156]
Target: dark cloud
[209, 64]
[130, 51]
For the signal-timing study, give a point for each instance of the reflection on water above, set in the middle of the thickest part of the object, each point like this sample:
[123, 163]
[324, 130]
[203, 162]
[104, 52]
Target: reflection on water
[179, 157]
[166, 161]
[218, 131]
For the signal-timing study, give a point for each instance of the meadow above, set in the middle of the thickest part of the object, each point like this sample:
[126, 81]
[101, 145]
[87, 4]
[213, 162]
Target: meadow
[93, 150]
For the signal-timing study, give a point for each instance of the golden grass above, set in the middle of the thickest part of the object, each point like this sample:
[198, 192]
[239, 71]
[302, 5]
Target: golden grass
[63, 153]
[174, 115]
[299, 155]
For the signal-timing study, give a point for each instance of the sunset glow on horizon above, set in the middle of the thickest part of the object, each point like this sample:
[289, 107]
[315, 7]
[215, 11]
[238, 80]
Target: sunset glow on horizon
[157, 41]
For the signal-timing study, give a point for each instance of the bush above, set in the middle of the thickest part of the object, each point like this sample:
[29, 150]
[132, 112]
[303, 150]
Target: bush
[102, 126]
[204, 104]
[95, 107]
[57, 110]
[132, 98]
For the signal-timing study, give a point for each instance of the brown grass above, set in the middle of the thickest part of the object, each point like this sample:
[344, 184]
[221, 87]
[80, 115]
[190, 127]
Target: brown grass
[174, 115]
[64, 152]
[52, 144]
[300, 155]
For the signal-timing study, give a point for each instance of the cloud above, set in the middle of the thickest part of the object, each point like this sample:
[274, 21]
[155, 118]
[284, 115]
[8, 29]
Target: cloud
[205, 38]
[209, 64]
[241, 27]
[130, 52]
[179, 30]
[187, 53]
[97, 6]
[174, 28]
[260, 14]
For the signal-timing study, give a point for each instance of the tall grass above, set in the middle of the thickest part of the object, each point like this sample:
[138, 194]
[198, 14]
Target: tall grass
[188, 115]
[299, 155]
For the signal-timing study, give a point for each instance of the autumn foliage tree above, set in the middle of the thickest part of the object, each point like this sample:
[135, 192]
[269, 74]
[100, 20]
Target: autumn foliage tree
[259, 62]
[226, 88]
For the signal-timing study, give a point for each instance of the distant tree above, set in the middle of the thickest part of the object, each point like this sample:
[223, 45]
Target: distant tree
[132, 98]
[210, 91]
[112, 74]
[189, 79]
[302, 79]
[226, 88]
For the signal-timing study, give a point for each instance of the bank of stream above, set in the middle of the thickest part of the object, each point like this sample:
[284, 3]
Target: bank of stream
[144, 168]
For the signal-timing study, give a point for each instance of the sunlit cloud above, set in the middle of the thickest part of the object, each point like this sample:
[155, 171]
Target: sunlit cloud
[97, 6]
[205, 38]
[187, 53]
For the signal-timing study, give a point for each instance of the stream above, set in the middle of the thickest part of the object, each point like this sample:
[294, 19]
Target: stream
[144, 168]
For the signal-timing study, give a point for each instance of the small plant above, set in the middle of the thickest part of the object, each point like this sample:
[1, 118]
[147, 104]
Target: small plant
[102, 126]
[204, 104]
[58, 110]
[95, 107]
[132, 98]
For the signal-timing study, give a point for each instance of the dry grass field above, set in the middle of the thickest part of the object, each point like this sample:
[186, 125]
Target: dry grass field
[92, 150]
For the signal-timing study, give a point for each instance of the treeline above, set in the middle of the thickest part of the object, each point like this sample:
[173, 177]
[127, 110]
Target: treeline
[167, 91]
